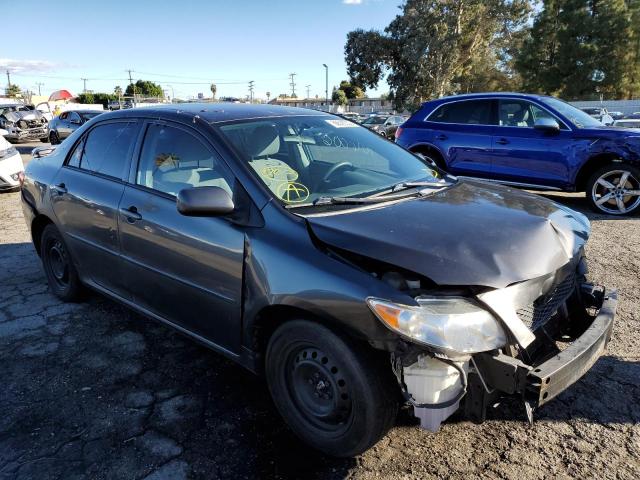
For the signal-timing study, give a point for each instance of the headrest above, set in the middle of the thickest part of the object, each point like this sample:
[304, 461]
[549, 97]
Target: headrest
[263, 141]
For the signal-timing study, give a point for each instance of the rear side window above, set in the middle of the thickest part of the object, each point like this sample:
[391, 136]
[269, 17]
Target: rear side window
[106, 149]
[471, 112]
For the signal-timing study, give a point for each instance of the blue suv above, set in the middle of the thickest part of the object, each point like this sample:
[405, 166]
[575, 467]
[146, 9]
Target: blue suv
[530, 141]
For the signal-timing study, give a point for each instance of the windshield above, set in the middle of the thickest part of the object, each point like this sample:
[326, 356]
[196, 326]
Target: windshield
[374, 121]
[301, 159]
[89, 115]
[579, 118]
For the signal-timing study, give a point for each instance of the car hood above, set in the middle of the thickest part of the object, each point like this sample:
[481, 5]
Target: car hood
[606, 131]
[23, 115]
[472, 233]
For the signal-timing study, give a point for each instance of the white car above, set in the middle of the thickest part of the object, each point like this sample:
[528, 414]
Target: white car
[11, 167]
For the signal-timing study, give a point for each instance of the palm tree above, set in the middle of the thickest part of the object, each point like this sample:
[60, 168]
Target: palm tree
[214, 89]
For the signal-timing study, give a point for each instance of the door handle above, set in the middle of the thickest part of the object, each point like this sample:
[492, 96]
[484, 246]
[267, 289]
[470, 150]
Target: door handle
[131, 213]
[502, 141]
[60, 188]
[441, 137]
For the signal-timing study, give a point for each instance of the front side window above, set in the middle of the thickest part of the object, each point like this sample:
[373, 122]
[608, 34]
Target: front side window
[515, 113]
[303, 158]
[173, 159]
[471, 112]
[107, 148]
[74, 117]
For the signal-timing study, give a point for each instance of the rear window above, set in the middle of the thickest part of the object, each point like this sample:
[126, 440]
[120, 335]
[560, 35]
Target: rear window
[107, 148]
[471, 112]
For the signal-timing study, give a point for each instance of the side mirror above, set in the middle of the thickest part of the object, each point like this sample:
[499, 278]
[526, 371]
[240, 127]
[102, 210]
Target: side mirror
[3, 132]
[204, 202]
[75, 121]
[547, 124]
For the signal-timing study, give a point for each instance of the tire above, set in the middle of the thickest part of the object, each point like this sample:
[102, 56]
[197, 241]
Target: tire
[336, 395]
[54, 138]
[44, 140]
[61, 273]
[614, 189]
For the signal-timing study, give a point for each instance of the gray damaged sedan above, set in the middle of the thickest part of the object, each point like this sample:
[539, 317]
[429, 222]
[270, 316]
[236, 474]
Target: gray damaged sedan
[351, 274]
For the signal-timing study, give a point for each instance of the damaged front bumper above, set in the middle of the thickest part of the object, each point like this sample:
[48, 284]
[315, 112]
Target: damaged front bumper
[563, 350]
[496, 374]
[16, 133]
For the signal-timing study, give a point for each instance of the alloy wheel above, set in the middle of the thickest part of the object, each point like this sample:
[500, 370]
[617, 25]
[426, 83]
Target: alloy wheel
[616, 192]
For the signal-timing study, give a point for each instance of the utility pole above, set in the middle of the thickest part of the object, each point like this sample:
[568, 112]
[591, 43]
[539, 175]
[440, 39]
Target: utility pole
[8, 79]
[326, 85]
[293, 84]
[251, 90]
[308, 86]
[39, 84]
[84, 80]
[134, 87]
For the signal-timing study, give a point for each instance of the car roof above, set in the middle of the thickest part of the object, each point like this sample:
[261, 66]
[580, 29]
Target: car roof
[465, 96]
[88, 110]
[217, 112]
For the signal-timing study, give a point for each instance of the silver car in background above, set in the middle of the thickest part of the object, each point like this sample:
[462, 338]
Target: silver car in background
[68, 122]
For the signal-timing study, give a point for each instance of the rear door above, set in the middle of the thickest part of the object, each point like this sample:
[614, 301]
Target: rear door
[85, 196]
[462, 131]
[524, 154]
[187, 270]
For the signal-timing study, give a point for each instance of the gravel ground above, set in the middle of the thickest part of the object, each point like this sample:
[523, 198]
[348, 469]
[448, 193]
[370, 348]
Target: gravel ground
[92, 390]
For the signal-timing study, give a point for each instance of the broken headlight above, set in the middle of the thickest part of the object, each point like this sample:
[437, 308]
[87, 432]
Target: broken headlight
[446, 323]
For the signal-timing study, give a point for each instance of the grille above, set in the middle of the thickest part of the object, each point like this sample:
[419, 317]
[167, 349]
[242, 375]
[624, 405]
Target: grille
[543, 308]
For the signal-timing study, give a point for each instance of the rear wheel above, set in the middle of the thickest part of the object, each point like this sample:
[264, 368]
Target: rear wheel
[336, 395]
[614, 189]
[62, 275]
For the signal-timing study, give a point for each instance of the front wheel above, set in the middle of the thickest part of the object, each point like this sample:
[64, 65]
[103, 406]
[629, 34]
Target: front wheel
[614, 189]
[336, 395]
[54, 138]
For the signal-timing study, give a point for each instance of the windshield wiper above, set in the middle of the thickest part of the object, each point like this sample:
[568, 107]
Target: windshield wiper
[357, 200]
[405, 185]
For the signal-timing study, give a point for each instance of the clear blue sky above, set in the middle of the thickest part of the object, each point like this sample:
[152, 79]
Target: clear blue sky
[202, 41]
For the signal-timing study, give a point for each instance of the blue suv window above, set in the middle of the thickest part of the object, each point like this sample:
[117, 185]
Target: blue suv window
[470, 112]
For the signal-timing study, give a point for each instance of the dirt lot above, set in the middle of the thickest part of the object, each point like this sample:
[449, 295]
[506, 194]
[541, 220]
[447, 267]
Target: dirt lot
[92, 390]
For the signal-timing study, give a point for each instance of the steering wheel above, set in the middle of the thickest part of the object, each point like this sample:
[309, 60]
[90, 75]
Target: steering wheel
[334, 169]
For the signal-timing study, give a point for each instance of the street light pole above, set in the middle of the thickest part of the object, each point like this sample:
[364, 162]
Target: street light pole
[326, 85]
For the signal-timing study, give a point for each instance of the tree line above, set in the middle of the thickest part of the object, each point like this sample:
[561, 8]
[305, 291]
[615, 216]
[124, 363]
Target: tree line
[573, 49]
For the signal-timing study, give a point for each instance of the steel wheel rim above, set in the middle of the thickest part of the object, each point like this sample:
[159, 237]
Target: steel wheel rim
[318, 390]
[58, 263]
[616, 192]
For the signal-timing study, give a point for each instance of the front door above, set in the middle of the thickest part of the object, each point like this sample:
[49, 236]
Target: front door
[522, 153]
[187, 270]
[85, 197]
